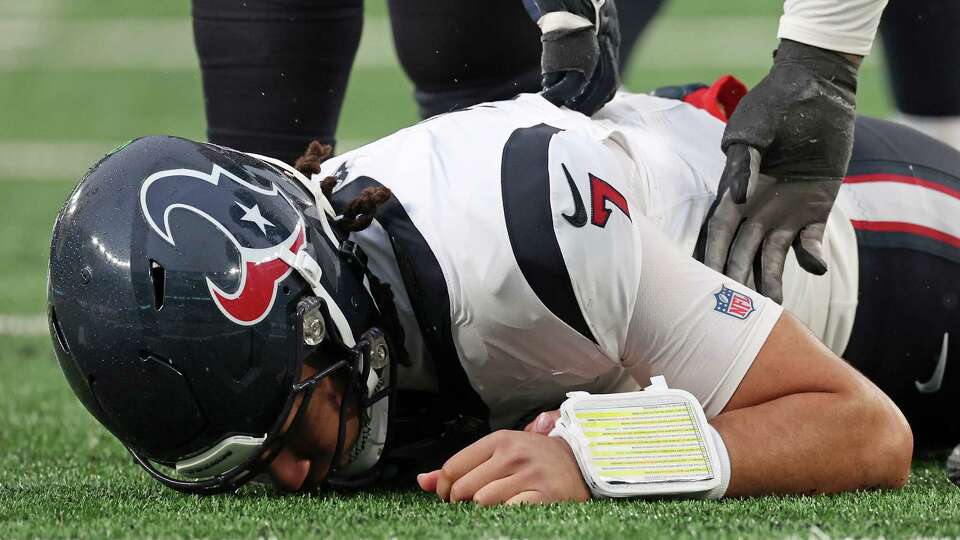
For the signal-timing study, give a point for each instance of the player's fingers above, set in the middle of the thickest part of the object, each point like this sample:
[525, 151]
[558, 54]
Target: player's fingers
[442, 488]
[428, 480]
[744, 249]
[740, 170]
[502, 490]
[550, 79]
[602, 84]
[772, 257]
[489, 471]
[569, 85]
[724, 217]
[465, 461]
[543, 423]
[527, 497]
[808, 247]
[719, 232]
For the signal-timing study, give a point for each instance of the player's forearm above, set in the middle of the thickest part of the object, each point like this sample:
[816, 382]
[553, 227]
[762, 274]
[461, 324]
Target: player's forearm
[816, 442]
[847, 27]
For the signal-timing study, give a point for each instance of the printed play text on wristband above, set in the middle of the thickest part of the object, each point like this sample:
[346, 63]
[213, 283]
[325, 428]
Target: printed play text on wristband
[659, 442]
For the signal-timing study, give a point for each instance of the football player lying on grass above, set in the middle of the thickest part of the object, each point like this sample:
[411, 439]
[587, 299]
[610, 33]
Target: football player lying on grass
[366, 317]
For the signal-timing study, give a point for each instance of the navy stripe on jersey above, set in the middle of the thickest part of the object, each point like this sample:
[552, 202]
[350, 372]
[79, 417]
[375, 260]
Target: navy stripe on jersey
[923, 175]
[525, 184]
[907, 240]
[427, 289]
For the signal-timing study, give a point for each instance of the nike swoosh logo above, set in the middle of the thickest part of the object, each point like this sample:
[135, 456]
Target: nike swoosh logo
[936, 380]
[579, 217]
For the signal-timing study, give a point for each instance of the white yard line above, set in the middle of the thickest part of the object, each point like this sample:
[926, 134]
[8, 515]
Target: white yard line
[31, 8]
[32, 160]
[23, 325]
[19, 35]
[152, 44]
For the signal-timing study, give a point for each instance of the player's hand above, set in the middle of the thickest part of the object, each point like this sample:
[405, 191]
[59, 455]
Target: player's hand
[509, 467]
[787, 147]
[581, 47]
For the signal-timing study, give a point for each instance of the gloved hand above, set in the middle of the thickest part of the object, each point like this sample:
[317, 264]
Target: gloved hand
[787, 147]
[581, 44]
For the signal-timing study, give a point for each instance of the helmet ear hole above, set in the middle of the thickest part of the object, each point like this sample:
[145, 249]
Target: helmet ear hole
[157, 276]
[58, 331]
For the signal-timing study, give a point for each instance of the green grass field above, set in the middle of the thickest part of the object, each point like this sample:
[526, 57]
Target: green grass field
[79, 76]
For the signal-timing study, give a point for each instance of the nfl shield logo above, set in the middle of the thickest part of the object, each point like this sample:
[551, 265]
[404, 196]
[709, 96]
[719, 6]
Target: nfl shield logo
[734, 304]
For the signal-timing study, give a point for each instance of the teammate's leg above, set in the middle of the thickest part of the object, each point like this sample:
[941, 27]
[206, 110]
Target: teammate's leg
[275, 71]
[906, 189]
[922, 48]
[463, 52]
[634, 15]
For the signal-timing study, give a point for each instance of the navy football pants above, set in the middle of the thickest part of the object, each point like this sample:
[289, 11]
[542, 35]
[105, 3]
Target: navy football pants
[909, 281]
[275, 71]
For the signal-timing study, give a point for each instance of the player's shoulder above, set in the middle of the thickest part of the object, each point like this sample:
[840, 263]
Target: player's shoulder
[497, 119]
[638, 103]
[652, 113]
[465, 137]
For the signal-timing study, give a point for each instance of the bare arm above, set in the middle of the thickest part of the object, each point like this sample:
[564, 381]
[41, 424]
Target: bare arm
[803, 421]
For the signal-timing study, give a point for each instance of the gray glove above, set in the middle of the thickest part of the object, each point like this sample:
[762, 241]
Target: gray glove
[581, 47]
[787, 147]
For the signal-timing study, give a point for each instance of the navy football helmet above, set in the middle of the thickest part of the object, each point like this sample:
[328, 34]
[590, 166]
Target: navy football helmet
[187, 285]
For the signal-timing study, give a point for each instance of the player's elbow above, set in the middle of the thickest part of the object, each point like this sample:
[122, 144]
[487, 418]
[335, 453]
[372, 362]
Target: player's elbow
[886, 445]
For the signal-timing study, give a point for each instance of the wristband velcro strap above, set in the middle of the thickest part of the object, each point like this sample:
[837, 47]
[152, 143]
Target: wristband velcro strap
[641, 444]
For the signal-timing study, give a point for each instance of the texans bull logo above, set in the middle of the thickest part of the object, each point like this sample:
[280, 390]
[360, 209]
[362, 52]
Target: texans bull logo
[262, 224]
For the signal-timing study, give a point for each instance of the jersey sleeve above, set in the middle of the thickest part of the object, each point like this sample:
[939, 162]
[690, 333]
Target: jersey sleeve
[648, 306]
[698, 328]
[849, 26]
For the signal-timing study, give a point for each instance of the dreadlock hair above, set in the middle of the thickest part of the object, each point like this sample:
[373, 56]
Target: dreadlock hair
[359, 212]
[309, 163]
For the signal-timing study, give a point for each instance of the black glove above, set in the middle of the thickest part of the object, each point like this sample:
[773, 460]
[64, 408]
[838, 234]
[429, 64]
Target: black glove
[787, 147]
[581, 47]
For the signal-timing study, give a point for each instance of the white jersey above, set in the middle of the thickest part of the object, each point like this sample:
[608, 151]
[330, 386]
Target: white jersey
[540, 251]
